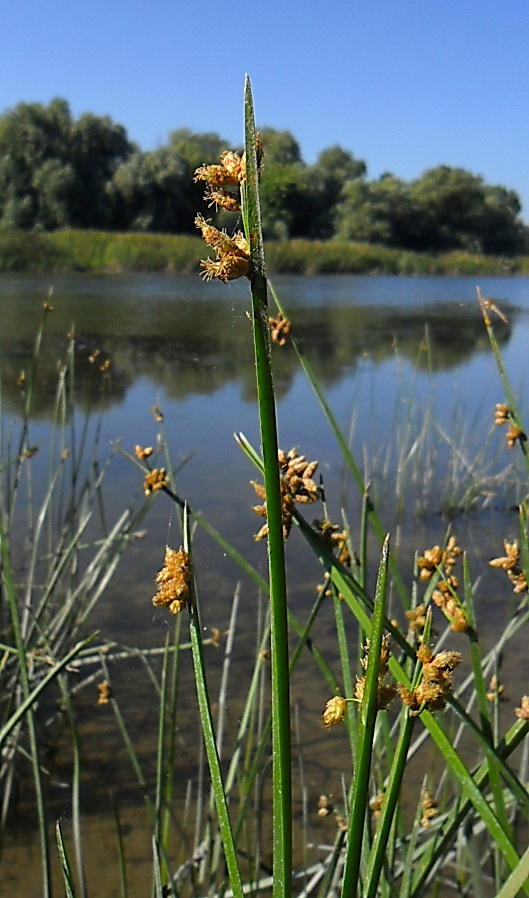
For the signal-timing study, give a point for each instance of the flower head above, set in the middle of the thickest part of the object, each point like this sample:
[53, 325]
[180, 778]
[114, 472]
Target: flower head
[156, 480]
[280, 328]
[143, 452]
[296, 485]
[173, 581]
[232, 253]
[510, 563]
[436, 557]
[436, 682]
[334, 711]
[501, 414]
[523, 711]
[515, 435]
[104, 693]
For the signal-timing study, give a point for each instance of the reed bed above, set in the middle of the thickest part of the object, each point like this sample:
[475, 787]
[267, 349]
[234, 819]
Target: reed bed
[411, 676]
[98, 251]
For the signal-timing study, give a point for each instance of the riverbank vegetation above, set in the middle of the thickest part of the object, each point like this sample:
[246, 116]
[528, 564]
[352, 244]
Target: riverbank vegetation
[115, 253]
[58, 172]
[433, 795]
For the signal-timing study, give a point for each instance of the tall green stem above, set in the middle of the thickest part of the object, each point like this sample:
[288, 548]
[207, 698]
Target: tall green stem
[281, 759]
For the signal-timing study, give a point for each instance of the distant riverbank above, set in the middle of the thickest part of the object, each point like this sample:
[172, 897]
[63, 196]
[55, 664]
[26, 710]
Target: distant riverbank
[99, 251]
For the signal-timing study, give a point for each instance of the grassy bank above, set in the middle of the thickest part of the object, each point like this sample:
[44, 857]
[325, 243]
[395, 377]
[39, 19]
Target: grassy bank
[98, 251]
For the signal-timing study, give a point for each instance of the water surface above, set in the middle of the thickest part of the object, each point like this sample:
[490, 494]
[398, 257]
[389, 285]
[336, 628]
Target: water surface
[406, 367]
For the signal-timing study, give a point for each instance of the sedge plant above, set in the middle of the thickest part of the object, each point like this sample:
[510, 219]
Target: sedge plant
[393, 693]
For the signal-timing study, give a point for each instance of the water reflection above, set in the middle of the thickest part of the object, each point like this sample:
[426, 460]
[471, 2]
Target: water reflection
[189, 343]
[380, 348]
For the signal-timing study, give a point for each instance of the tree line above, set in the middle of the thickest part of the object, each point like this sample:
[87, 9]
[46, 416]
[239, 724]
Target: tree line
[60, 172]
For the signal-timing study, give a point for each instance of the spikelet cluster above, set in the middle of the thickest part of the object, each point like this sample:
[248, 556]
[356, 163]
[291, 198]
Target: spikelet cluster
[442, 561]
[504, 416]
[296, 485]
[223, 190]
[280, 328]
[155, 480]
[334, 711]
[436, 558]
[232, 253]
[385, 693]
[173, 581]
[435, 685]
[510, 563]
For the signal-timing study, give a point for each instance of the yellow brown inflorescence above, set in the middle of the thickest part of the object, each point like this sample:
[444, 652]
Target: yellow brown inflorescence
[156, 480]
[334, 711]
[173, 581]
[445, 597]
[515, 434]
[510, 563]
[523, 711]
[223, 190]
[280, 328]
[385, 692]
[232, 253]
[436, 682]
[296, 485]
[104, 693]
[436, 557]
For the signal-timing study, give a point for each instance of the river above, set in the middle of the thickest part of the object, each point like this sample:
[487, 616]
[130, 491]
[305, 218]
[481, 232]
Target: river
[406, 366]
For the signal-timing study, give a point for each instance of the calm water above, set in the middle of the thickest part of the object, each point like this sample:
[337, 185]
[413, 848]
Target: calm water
[405, 365]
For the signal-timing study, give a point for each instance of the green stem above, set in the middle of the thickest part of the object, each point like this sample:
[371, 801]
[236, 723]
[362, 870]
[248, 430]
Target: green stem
[281, 757]
[366, 732]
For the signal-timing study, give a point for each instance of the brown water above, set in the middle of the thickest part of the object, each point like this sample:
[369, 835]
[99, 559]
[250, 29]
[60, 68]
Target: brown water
[394, 356]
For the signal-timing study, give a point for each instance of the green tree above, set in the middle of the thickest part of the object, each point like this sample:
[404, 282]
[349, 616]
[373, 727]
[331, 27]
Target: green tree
[374, 211]
[280, 148]
[97, 147]
[332, 171]
[54, 172]
[34, 165]
[287, 201]
[150, 192]
[455, 209]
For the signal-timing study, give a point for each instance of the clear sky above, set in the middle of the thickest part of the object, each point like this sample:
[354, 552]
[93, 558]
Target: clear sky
[403, 84]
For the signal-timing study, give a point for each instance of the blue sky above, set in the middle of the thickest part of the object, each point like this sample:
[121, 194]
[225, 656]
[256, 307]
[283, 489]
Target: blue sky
[403, 84]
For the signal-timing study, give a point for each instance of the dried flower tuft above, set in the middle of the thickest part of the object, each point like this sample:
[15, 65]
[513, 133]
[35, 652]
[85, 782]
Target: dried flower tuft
[156, 480]
[523, 711]
[376, 804]
[445, 597]
[324, 806]
[143, 452]
[436, 682]
[385, 693]
[501, 414]
[334, 711]
[496, 689]
[104, 693]
[429, 810]
[436, 558]
[510, 563]
[232, 253]
[417, 620]
[280, 328]
[515, 435]
[296, 486]
[173, 581]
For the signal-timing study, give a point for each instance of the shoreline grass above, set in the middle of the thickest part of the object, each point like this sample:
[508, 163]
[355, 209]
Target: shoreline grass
[119, 253]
